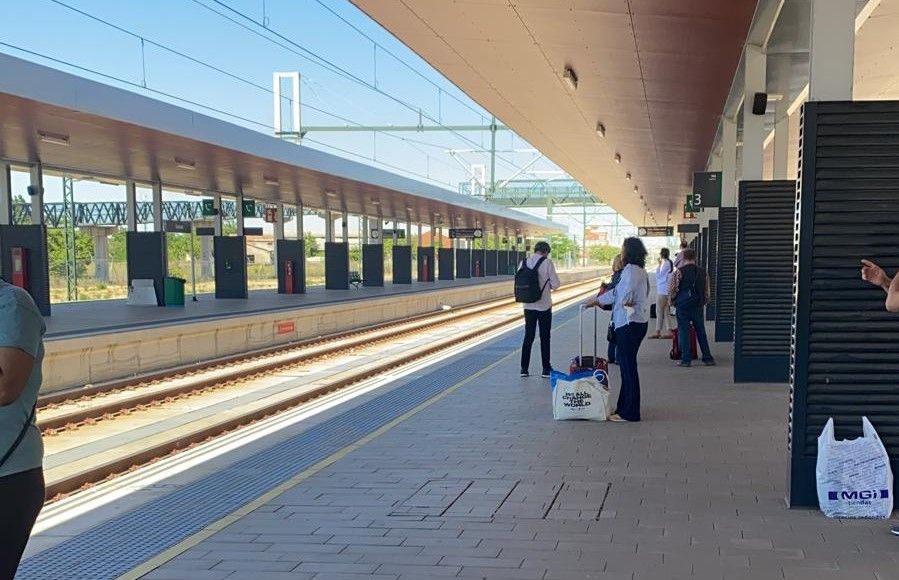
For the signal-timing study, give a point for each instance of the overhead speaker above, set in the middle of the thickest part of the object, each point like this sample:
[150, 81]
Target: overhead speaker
[759, 103]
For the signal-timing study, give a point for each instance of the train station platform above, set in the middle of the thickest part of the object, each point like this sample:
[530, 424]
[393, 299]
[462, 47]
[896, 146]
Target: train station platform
[458, 470]
[94, 342]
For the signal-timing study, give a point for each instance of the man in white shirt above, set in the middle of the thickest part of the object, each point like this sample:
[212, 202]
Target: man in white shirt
[539, 312]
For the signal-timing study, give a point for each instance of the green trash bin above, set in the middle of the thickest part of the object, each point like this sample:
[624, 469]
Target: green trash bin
[173, 290]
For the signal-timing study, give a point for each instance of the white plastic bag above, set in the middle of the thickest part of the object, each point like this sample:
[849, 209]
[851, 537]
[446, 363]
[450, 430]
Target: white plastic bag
[853, 475]
[581, 395]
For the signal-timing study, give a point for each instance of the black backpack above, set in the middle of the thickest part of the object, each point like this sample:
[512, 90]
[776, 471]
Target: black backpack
[527, 283]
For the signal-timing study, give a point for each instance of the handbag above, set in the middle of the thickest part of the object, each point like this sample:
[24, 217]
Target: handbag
[610, 334]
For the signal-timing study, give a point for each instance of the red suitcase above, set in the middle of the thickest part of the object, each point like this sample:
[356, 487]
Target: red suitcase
[675, 347]
[589, 363]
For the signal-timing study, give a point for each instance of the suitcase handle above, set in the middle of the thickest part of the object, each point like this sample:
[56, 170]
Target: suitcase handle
[581, 331]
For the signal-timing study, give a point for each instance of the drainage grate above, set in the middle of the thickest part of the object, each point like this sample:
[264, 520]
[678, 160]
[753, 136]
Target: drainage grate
[118, 545]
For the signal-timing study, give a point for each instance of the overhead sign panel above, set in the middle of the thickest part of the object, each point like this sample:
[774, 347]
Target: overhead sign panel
[688, 228]
[400, 234]
[177, 227]
[706, 189]
[655, 231]
[474, 233]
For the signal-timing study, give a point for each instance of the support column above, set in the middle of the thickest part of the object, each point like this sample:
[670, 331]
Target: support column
[781, 140]
[345, 227]
[217, 219]
[753, 125]
[157, 207]
[831, 50]
[5, 194]
[206, 256]
[238, 212]
[37, 200]
[728, 162]
[329, 226]
[278, 226]
[301, 225]
[130, 206]
[100, 238]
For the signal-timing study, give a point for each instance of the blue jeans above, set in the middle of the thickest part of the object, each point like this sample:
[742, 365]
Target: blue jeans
[686, 317]
[628, 338]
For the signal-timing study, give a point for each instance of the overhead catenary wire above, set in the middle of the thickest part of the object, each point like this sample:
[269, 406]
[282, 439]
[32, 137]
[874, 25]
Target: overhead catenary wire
[143, 39]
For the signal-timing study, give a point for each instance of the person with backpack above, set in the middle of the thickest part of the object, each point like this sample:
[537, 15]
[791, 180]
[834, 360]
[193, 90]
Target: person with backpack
[663, 309]
[630, 314]
[21, 450]
[535, 280]
[688, 292]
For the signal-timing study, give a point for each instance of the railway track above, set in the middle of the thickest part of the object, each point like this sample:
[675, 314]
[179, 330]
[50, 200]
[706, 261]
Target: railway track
[94, 433]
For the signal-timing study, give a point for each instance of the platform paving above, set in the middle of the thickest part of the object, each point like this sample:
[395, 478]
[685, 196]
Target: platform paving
[80, 318]
[484, 484]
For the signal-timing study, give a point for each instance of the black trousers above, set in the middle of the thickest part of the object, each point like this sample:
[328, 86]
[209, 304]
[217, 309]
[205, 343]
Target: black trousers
[629, 337]
[531, 319]
[21, 500]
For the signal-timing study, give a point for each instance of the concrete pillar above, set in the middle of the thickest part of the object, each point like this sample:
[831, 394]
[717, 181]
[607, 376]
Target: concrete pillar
[781, 140]
[5, 194]
[217, 218]
[238, 212]
[301, 225]
[728, 162]
[345, 227]
[130, 206]
[157, 207]
[207, 259]
[753, 125]
[831, 50]
[408, 232]
[278, 226]
[100, 239]
[329, 226]
[37, 200]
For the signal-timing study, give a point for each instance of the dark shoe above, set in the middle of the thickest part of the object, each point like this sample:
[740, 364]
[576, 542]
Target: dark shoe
[546, 373]
[681, 363]
[524, 373]
[709, 363]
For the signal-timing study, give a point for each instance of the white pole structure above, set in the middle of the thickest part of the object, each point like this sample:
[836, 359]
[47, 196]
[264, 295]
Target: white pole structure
[781, 145]
[131, 206]
[37, 199]
[5, 194]
[831, 50]
[753, 125]
[157, 206]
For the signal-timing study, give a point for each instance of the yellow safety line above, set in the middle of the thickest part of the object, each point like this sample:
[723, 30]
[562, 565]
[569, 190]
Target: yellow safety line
[217, 526]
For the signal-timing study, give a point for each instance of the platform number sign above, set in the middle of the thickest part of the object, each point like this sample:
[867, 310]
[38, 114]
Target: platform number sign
[706, 190]
[248, 208]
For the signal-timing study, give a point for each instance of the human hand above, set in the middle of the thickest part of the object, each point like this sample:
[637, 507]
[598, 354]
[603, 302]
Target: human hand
[874, 274]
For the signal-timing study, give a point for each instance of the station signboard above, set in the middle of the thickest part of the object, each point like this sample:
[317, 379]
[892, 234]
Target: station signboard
[205, 231]
[177, 227]
[688, 228]
[207, 208]
[252, 231]
[248, 208]
[388, 233]
[473, 233]
[655, 231]
[706, 189]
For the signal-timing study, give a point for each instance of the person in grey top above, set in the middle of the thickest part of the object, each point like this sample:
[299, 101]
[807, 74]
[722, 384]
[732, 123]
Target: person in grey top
[21, 449]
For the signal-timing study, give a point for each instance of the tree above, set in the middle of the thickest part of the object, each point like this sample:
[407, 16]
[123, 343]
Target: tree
[56, 250]
[310, 245]
[562, 245]
[603, 254]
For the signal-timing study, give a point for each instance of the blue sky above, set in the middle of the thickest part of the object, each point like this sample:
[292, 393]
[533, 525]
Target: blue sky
[193, 28]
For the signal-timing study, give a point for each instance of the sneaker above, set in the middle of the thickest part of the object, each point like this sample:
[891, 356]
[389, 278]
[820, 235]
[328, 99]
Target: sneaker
[616, 418]
[894, 530]
[681, 363]
[546, 373]
[709, 363]
[524, 373]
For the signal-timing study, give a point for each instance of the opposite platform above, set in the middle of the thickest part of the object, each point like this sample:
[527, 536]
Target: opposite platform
[484, 484]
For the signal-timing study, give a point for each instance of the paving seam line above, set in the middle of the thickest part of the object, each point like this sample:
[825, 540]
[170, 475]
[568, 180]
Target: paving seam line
[215, 527]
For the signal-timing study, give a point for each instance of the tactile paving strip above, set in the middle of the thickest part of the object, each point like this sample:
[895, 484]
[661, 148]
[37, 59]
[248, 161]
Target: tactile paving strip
[118, 545]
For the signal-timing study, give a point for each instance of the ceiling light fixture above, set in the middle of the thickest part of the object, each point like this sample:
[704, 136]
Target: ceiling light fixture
[54, 138]
[636, 188]
[330, 193]
[271, 180]
[570, 78]
[618, 158]
[185, 164]
[600, 129]
[410, 208]
[627, 175]
[376, 202]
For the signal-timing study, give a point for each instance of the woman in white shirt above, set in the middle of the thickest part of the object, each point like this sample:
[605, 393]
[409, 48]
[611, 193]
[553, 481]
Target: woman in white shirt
[630, 314]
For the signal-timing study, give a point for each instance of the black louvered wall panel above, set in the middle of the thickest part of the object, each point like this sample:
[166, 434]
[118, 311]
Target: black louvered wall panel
[764, 295]
[703, 247]
[845, 358]
[725, 276]
[711, 268]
